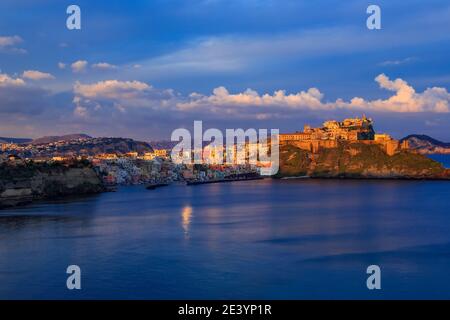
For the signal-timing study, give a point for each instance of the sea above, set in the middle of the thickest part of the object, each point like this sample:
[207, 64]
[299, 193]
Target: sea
[267, 239]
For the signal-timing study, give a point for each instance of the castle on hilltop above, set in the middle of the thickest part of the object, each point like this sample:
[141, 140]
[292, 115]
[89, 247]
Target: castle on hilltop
[357, 130]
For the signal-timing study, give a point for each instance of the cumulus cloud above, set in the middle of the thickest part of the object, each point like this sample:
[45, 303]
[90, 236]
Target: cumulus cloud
[126, 95]
[9, 41]
[136, 105]
[104, 66]
[17, 97]
[310, 99]
[61, 65]
[111, 89]
[7, 81]
[405, 99]
[120, 95]
[79, 66]
[37, 75]
[9, 44]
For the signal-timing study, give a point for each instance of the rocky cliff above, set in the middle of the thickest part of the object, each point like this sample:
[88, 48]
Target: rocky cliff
[26, 182]
[357, 160]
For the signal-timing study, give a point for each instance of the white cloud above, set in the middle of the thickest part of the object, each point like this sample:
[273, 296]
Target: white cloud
[405, 99]
[123, 95]
[19, 98]
[111, 89]
[79, 66]
[397, 62]
[9, 43]
[104, 66]
[61, 65]
[37, 75]
[6, 81]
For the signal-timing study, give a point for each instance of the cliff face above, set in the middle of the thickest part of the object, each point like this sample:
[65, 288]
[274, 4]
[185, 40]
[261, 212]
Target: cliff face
[355, 160]
[20, 184]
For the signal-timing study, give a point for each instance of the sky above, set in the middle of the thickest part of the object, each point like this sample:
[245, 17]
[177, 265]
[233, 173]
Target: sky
[142, 69]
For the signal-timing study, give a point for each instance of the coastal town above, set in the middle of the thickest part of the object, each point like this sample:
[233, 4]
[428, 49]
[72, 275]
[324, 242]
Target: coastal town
[78, 164]
[121, 161]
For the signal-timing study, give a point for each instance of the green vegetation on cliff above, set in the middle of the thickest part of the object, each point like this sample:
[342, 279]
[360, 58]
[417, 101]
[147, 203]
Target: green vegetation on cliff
[357, 160]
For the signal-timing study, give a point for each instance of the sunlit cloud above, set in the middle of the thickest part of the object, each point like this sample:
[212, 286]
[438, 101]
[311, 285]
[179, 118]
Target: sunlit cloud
[79, 66]
[9, 44]
[37, 75]
[104, 66]
[405, 99]
[7, 81]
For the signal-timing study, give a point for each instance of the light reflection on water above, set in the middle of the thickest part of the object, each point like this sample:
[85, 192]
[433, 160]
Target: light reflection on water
[186, 216]
[254, 239]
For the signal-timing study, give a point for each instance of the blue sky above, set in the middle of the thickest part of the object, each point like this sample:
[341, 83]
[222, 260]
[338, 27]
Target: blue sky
[146, 68]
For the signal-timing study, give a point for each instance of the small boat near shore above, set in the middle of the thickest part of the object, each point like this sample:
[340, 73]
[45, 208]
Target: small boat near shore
[154, 186]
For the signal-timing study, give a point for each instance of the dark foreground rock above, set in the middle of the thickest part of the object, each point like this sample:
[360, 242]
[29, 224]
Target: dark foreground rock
[357, 160]
[25, 182]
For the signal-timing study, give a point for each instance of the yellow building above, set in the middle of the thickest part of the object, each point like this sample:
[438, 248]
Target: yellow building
[160, 153]
[148, 156]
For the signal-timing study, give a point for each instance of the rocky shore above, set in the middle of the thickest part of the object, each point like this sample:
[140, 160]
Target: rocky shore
[358, 161]
[22, 183]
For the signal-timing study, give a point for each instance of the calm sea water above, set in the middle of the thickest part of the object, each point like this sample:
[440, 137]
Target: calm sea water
[254, 239]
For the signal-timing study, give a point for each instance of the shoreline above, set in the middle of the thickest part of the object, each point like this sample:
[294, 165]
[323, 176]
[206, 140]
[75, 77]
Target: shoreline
[69, 197]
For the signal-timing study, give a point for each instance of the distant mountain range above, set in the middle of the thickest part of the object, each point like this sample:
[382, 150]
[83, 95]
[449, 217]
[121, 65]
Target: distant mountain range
[163, 144]
[426, 145]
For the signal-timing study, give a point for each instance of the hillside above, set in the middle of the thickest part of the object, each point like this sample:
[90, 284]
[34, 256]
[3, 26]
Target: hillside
[81, 147]
[163, 144]
[427, 145]
[51, 139]
[358, 161]
[95, 146]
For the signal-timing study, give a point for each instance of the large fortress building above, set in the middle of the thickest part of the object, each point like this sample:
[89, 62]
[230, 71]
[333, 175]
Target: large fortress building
[357, 130]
